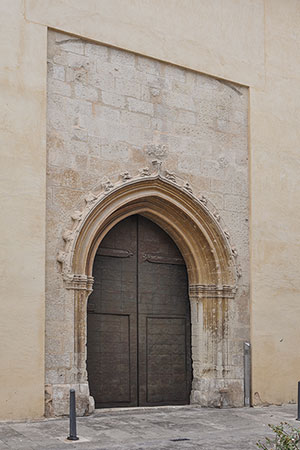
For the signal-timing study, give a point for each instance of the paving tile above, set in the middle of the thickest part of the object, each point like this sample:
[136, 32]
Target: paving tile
[183, 428]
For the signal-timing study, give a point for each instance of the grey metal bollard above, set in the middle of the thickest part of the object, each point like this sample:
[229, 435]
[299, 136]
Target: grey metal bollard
[247, 374]
[73, 433]
[298, 415]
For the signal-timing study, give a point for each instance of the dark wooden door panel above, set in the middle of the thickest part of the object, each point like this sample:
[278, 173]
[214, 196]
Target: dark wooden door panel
[164, 319]
[110, 377]
[166, 360]
[139, 319]
[112, 319]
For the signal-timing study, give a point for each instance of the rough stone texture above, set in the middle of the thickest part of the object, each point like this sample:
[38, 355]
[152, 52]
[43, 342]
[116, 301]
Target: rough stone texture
[111, 111]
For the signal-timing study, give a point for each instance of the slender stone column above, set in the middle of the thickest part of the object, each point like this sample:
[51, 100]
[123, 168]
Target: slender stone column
[81, 285]
[212, 385]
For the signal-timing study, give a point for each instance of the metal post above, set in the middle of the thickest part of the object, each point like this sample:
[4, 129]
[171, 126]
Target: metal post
[73, 433]
[247, 374]
[298, 415]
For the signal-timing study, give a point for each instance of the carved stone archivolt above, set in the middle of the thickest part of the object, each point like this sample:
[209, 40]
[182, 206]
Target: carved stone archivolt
[179, 191]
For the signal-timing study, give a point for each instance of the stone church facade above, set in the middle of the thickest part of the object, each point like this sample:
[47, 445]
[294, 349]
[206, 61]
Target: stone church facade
[121, 127]
[149, 189]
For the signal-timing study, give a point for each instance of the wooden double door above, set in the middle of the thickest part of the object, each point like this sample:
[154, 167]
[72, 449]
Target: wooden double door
[138, 346]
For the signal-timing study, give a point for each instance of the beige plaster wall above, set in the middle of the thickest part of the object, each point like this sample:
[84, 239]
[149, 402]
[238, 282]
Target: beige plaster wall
[253, 42]
[275, 193]
[222, 38]
[22, 194]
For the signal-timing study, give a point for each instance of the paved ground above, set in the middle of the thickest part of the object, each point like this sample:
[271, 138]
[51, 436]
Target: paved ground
[183, 428]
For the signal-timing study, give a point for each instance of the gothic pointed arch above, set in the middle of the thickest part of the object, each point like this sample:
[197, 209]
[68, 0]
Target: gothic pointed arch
[196, 228]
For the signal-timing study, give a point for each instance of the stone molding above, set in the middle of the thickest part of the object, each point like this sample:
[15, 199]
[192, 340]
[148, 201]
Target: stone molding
[198, 291]
[79, 282]
[112, 185]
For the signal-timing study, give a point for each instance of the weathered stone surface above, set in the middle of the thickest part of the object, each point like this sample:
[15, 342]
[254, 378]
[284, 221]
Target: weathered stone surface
[111, 112]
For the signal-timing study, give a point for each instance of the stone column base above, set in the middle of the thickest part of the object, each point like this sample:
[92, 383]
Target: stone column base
[218, 393]
[57, 399]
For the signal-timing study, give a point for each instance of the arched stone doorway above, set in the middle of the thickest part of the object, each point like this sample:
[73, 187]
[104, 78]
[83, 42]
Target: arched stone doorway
[138, 327]
[211, 267]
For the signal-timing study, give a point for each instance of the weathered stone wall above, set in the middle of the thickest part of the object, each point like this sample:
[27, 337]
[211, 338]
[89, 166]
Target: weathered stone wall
[111, 111]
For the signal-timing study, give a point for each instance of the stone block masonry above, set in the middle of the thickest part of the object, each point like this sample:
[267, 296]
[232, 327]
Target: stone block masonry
[111, 111]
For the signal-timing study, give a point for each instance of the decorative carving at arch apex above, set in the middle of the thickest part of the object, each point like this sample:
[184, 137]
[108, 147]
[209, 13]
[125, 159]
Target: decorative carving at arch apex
[109, 186]
[170, 176]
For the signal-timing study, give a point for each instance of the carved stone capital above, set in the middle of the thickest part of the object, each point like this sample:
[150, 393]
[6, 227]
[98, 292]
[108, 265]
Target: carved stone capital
[198, 291]
[79, 282]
